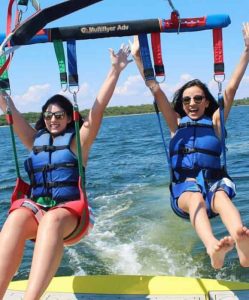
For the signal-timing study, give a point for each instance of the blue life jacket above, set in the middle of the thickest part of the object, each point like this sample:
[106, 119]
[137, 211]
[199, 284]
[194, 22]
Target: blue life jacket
[53, 168]
[193, 148]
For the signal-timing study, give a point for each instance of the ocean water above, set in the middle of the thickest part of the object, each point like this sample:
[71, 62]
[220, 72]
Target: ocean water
[135, 230]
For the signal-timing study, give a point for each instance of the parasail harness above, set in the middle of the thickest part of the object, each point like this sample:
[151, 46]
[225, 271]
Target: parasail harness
[177, 24]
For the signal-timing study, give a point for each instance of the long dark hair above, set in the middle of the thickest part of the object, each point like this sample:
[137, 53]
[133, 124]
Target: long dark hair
[65, 104]
[177, 99]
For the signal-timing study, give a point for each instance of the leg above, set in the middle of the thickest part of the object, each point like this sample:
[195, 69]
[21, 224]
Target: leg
[54, 226]
[19, 226]
[230, 216]
[194, 204]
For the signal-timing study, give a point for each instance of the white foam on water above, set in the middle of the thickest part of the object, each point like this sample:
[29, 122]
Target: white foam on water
[75, 260]
[128, 231]
[123, 257]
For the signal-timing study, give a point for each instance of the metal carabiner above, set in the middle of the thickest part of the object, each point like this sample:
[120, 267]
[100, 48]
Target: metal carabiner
[161, 81]
[219, 82]
[74, 92]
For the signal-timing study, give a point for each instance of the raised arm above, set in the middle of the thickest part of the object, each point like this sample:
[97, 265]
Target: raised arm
[168, 112]
[21, 127]
[90, 128]
[237, 75]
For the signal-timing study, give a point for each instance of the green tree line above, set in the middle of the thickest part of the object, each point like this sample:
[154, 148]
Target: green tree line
[32, 117]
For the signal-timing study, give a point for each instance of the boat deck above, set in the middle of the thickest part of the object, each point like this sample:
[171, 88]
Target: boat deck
[110, 287]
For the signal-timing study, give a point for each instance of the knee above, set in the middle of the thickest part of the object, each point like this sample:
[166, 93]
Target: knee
[52, 222]
[197, 198]
[192, 201]
[21, 217]
[20, 222]
[220, 200]
[197, 203]
[51, 219]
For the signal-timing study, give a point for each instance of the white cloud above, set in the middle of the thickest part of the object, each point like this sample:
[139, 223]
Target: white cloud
[134, 92]
[131, 86]
[131, 91]
[185, 78]
[33, 98]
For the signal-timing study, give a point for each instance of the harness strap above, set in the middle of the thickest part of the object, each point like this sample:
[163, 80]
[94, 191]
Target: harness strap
[22, 189]
[37, 211]
[73, 79]
[163, 139]
[194, 150]
[50, 167]
[54, 184]
[9, 119]
[210, 175]
[157, 53]
[145, 56]
[60, 55]
[73, 82]
[194, 124]
[23, 2]
[48, 148]
[223, 129]
[78, 144]
[218, 52]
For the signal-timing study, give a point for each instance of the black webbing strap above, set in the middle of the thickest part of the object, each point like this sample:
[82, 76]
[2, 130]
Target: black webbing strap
[48, 148]
[50, 167]
[185, 151]
[194, 124]
[55, 184]
[23, 2]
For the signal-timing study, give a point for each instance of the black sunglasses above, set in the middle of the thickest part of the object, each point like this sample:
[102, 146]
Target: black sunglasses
[59, 115]
[197, 99]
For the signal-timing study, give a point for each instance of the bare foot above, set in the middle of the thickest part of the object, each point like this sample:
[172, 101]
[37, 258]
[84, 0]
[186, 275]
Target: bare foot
[218, 252]
[242, 245]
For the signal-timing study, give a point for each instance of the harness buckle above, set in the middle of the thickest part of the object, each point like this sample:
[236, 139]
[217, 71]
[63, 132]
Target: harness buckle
[48, 167]
[49, 148]
[51, 184]
[187, 150]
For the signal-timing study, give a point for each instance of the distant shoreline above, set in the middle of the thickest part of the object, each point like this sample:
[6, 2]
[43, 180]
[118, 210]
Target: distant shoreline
[115, 111]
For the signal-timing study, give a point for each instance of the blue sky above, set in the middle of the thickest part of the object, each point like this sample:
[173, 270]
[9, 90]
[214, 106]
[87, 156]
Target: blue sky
[34, 73]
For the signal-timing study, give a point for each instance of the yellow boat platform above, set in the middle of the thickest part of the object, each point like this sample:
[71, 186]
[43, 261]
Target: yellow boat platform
[129, 287]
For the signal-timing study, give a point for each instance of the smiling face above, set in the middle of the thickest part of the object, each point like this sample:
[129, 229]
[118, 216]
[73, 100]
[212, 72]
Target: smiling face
[194, 102]
[56, 119]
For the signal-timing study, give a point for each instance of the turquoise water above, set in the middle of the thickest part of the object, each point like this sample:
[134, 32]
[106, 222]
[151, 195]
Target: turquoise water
[127, 185]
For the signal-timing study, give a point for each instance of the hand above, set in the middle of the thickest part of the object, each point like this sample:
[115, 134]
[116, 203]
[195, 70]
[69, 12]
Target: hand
[120, 60]
[246, 34]
[135, 48]
[135, 51]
